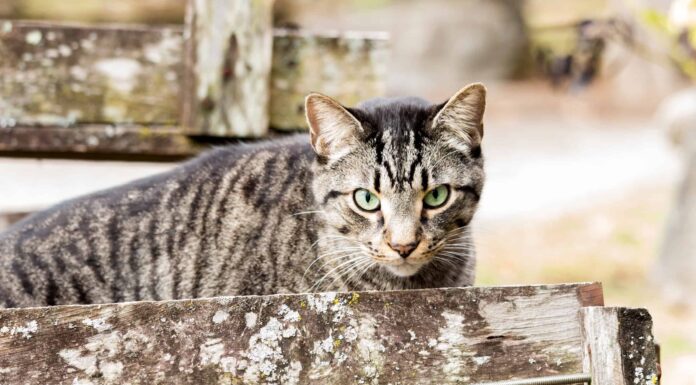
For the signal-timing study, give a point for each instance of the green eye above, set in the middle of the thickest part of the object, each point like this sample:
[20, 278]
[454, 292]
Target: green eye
[366, 200]
[436, 197]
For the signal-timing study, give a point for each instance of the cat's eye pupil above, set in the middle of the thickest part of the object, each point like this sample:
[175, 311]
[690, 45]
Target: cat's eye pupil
[436, 197]
[366, 200]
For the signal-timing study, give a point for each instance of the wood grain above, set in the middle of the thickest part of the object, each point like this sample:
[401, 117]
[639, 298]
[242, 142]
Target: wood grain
[64, 75]
[618, 346]
[228, 67]
[439, 336]
[99, 141]
[350, 67]
[69, 74]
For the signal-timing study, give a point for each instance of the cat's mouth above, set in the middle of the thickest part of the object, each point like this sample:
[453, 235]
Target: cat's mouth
[403, 267]
[391, 261]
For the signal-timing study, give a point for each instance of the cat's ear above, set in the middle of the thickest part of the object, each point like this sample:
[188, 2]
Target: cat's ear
[462, 115]
[332, 129]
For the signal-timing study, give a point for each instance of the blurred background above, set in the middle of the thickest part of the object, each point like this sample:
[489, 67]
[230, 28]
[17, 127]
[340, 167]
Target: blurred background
[590, 134]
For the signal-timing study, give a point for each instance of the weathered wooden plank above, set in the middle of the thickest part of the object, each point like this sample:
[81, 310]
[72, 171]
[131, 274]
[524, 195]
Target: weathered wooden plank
[78, 85]
[107, 140]
[228, 67]
[618, 346]
[439, 336]
[67, 74]
[351, 67]
[95, 11]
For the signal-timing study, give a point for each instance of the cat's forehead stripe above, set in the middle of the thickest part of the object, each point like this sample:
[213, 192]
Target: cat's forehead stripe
[401, 155]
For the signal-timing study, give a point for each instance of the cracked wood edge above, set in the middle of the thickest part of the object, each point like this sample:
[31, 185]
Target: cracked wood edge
[444, 336]
[618, 346]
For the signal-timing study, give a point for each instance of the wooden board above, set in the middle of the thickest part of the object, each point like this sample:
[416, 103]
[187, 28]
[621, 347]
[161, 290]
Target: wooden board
[100, 141]
[439, 336]
[70, 74]
[93, 11]
[618, 345]
[228, 67]
[64, 75]
[350, 67]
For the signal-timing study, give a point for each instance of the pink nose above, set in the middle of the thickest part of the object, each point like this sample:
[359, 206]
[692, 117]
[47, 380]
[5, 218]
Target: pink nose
[403, 250]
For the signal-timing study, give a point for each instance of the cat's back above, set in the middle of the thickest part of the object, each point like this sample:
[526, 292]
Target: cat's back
[247, 162]
[115, 244]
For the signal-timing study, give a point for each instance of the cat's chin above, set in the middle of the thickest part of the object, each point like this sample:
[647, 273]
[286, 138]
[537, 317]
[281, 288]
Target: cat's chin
[404, 270]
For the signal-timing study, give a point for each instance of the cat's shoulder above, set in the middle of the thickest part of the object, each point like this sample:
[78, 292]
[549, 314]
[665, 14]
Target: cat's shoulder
[296, 144]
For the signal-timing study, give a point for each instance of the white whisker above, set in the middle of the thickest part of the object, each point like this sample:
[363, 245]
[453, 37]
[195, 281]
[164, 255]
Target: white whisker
[316, 284]
[457, 257]
[349, 270]
[445, 260]
[360, 272]
[309, 212]
[317, 259]
[460, 245]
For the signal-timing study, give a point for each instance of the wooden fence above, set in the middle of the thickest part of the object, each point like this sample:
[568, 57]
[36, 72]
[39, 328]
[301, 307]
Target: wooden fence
[158, 90]
[439, 336]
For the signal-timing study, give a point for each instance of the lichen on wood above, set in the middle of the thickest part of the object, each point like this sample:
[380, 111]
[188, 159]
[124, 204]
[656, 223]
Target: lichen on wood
[65, 75]
[228, 67]
[350, 67]
[69, 74]
[618, 346]
[438, 336]
[99, 139]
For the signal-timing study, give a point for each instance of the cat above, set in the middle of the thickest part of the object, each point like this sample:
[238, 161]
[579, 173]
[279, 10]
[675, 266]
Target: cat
[376, 197]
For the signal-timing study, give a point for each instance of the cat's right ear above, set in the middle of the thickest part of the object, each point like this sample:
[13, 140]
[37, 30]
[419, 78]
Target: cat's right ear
[332, 129]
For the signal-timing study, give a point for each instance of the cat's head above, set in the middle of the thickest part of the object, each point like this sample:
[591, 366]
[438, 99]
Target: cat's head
[399, 180]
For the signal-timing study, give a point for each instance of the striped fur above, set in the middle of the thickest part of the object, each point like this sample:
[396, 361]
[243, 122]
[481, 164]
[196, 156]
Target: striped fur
[270, 217]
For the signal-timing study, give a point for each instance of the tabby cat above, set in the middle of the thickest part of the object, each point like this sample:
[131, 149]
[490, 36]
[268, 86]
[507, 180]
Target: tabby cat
[380, 197]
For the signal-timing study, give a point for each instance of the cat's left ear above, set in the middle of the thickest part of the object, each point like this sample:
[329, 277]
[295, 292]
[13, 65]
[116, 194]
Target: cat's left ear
[462, 115]
[332, 128]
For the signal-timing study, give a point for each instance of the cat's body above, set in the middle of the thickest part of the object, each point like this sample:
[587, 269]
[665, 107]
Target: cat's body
[222, 223]
[264, 218]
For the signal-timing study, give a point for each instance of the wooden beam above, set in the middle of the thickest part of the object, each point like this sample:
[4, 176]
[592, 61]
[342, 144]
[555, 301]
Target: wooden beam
[67, 74]
[618, 346]
[438, 336]
[99, 141]
[350, 67]
[70, 74]
[95, 11]
[228, 67]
